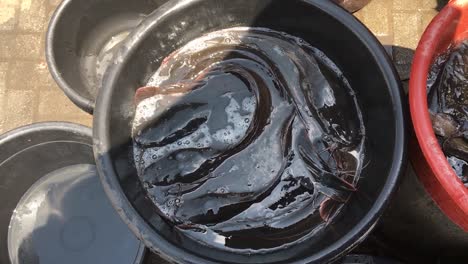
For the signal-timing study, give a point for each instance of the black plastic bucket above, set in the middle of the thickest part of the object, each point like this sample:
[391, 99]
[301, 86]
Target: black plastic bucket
[81, 39]
[54, 209]
[323, 24]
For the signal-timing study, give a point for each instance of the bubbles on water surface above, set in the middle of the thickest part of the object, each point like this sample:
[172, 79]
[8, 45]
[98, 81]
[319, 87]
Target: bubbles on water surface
[240, 150]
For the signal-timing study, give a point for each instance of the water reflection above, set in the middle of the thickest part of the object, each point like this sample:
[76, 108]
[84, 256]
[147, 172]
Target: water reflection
[65, 217]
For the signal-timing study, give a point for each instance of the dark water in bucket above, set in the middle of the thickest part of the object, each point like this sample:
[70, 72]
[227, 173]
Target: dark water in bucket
[248, 140]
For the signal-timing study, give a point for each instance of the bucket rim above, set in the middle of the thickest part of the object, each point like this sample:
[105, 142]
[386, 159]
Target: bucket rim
[442, 183]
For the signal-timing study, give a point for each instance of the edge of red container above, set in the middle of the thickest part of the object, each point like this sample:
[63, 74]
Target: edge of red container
[430, 163]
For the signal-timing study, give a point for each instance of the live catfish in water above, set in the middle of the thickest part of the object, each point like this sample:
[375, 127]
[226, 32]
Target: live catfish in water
[448, 100]
[248, 139]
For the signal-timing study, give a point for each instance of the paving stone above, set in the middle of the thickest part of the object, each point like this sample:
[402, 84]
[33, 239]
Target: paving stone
[10, 3]
[428, 4]
[407, 29]
[54, 3]
[7, 43]
[27, 46]
[49, 13]
[75, 115]
[53, 103]
[18, 109]
[8, 18]
[32, 17]
[25, 75]
[409, 5]
[379, 24]
[427, 18]
[359, 14]
[3, 73]
[86, 121]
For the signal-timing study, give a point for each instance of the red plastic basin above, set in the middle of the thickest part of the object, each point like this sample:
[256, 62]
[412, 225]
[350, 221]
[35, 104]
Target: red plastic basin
[431, 166]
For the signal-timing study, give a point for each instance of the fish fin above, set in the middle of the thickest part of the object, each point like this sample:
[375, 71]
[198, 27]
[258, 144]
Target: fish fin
[143, 93]
[327, 208]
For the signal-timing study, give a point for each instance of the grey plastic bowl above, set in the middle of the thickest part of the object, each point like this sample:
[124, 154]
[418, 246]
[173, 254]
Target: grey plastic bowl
[70, 233]
[81, 39]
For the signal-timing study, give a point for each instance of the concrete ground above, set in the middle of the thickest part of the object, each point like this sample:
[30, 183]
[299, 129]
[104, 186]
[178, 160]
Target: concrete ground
[29, 94]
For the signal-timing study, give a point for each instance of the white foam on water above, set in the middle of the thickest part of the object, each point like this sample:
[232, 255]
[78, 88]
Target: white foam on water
[249, 104]
[238, 123]
[197, 140]
[233, 133]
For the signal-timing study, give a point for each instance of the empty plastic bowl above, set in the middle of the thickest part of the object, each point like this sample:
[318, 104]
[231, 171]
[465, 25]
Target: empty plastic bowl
[82, 38]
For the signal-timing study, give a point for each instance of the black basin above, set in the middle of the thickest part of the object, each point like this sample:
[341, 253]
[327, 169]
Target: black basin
[81, 39]
[54, 209]
[320, 22]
